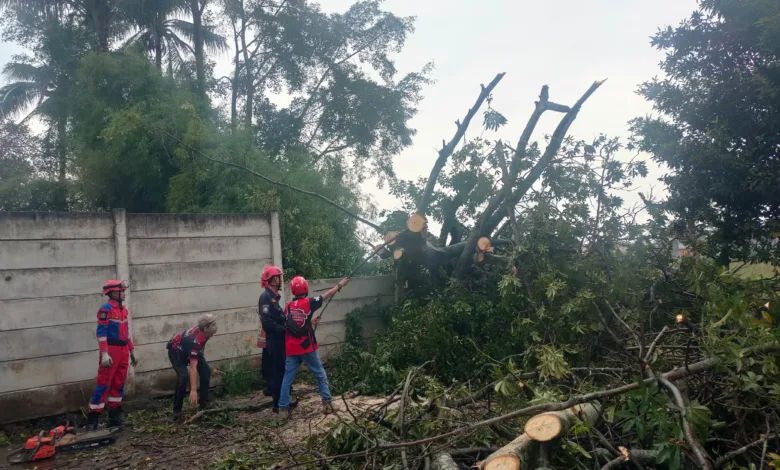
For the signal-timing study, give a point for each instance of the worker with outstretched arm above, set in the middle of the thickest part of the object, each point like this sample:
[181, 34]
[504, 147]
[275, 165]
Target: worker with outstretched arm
[116, 352]
[186, 353]
[272, 319]
[301, 343]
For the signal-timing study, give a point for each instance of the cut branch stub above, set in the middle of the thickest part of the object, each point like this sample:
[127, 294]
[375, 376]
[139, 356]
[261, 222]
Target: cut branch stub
[390, 238]
[416, 223]
[503, 462]
[548, 426]
[398, 254]
[483, 244]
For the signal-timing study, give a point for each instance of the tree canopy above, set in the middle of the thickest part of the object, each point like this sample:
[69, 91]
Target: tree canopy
[718, 126]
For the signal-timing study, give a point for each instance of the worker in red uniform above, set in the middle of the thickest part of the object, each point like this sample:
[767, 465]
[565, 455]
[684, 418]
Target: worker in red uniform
[300, 342]
[186, 353]
[116, 353]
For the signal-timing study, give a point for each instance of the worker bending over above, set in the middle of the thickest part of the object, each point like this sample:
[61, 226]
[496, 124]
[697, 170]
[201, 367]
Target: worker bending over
[186, 353]
[300, 342]
[116, 351]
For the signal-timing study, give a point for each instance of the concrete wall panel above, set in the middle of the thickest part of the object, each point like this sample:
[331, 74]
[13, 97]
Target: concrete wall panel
[160, 329]
[55, 225]
[194, 299]
[53, 282]
[188, 250]
[49, 341]
[209, 273]
[28, 254]
[49, 312]
[358, 288]
[45, 371]
[197, 225]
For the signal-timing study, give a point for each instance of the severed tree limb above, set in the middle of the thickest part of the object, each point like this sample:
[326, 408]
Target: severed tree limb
[449, 147]
[274, 182]
[444, 461]
[610, 450]
[471, 451]
[655, 341]
[202, 413]
[545, 427]
[497, 207]
[510, 456]
[742, 450]
[675, 374]
[698, 451]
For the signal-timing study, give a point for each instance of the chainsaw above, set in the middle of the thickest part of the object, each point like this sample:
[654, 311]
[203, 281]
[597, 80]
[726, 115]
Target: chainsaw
[63, 438]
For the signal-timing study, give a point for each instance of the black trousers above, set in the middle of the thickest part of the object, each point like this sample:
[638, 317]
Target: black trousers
[276, 359]
[181, 366]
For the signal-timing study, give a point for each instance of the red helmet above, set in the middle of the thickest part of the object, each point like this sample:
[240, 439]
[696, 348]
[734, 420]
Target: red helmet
[114, 285]
[268, 273]
[299, 286]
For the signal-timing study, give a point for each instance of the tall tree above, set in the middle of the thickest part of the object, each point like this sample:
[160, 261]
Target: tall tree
[719, 125]
[347, 100]
[41, 84]
[165, 36]
[197, 8]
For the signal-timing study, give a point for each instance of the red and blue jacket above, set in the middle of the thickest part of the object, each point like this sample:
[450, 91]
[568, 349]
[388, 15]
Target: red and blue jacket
[113, 327]
[300, 311]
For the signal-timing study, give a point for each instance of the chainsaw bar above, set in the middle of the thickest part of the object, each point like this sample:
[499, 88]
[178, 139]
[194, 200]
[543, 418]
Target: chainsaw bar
[86, 441]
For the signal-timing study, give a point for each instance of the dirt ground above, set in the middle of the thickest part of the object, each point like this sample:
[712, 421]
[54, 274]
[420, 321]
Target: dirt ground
[222, 441]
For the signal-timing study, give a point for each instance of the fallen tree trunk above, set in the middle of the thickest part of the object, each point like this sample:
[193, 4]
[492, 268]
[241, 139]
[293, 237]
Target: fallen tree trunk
[548, 426]
[508, 457]
[444, 461]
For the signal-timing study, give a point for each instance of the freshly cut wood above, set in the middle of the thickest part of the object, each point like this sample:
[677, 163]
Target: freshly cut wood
[483, 244]
[390, 238]
[548, 426]
[398, 254]
[416, 223]
[444, 461]
[508, 457]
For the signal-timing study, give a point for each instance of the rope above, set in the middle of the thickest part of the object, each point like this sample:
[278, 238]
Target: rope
[355, 270]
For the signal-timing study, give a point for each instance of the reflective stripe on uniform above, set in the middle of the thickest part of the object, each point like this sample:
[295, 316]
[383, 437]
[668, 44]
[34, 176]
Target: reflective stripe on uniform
[102, 338]
[99, 406]
[114, 399]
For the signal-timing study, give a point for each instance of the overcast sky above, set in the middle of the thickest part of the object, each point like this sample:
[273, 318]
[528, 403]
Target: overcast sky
[566, 44]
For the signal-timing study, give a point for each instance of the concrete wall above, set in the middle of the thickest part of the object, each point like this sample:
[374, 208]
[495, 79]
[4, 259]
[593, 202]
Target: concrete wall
[52, 266]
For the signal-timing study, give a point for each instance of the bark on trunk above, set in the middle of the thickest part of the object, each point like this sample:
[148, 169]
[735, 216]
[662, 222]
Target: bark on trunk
[61, 197]
[200, 67]
[444, 461]
[249, 74]
[510, 456]
[548, 426]
[158, 50]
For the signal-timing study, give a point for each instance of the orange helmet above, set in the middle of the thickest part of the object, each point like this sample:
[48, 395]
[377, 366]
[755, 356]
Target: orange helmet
[268, 273]
[299, 286]
[114, 285]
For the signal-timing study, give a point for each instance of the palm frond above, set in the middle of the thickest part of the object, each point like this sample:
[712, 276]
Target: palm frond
[23, 72]
[16, 98]
[212, 41]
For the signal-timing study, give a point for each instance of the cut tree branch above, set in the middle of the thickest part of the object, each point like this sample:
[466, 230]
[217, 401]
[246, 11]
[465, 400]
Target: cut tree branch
[448, 148]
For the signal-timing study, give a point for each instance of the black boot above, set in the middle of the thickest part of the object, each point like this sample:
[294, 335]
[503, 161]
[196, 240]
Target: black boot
[92, 421]
[115, 418]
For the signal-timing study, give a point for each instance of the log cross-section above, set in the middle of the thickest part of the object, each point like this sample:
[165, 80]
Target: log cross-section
[548, 426]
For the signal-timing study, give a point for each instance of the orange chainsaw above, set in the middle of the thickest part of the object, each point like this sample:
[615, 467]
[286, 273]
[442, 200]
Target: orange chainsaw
[63, 438]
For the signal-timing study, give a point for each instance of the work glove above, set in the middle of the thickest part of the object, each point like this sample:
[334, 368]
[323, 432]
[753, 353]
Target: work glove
[133, 360]
[105, 360]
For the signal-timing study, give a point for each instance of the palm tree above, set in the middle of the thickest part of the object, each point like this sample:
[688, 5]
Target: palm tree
[163, 35]
[40, 90]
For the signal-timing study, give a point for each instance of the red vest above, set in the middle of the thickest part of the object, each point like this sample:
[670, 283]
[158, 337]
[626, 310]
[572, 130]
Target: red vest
[300, 311]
